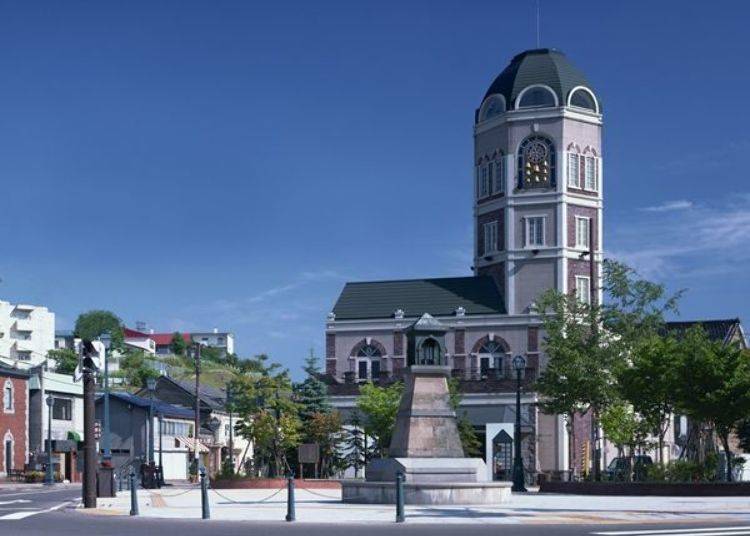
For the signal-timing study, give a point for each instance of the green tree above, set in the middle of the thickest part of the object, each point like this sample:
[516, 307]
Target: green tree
[379, 406]
[178, 344]
[714, 386]
[312, 393]
[268, 413]
[583, 360]
[354, 443]
[469, 441]
[325, 429]
[623, 427]
[651, 383]
[93, 324]
[136, 368]
[66, 360]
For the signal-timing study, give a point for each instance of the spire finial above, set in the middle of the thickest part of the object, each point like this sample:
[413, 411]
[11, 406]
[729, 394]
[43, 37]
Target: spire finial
[538, 16]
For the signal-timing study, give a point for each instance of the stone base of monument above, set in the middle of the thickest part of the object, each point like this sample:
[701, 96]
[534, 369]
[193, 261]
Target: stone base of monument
[438, 481]
[429, 493]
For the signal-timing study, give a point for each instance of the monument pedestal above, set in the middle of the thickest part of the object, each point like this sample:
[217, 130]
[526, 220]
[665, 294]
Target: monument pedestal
[426, 446]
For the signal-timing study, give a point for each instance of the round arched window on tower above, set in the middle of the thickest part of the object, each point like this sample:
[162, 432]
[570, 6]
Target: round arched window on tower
[536, 163]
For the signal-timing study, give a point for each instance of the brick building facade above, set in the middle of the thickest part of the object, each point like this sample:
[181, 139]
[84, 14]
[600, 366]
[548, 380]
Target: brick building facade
[14, 419]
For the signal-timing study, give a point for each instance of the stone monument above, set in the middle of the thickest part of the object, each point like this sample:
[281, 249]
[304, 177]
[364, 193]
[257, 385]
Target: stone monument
[426, 446]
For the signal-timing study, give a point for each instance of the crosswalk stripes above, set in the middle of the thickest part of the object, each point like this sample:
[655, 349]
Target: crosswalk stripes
[23, 514]
[710, 531]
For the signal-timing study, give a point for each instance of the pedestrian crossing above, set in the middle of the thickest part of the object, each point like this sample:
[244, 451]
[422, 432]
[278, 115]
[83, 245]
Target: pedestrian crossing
[16, 513]
[710, 531]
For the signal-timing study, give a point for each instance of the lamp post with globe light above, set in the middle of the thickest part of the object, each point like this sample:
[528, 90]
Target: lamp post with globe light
[519, 364]
[49, 478]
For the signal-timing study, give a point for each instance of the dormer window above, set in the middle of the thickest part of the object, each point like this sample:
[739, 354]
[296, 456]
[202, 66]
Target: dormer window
[582, 97]
[493, 106]
[537, 97]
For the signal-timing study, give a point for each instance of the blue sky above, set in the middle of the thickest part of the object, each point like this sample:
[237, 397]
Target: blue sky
[198, 164]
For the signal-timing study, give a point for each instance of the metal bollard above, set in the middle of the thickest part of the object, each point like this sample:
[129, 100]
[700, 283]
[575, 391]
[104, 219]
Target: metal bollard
[400, 497]
[290, 513]
[205, 512]
[133, 495]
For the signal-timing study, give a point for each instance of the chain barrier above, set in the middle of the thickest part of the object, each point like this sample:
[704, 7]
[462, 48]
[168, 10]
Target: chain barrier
[188, 490]
[310, 491]
[259, 501]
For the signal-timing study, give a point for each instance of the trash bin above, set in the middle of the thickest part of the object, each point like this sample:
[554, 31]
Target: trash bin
[105, 482]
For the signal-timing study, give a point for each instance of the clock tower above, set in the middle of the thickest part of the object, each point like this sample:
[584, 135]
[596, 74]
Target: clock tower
[538, 180]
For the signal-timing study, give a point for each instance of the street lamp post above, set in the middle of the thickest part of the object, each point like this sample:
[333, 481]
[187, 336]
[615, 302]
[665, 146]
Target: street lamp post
[49, 478]
[151, 386]
[231, 429]
[161, 449]
[519, 364]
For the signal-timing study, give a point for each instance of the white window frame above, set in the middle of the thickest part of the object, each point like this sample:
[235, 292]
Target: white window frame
[527, 231]
[483, 181]
[574, 179]
[590, 164]
[583, 288]
[8, 387]
[583, 244]
[490, 229]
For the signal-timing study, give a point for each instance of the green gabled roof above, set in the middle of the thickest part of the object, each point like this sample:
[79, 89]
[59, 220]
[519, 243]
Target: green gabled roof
[438, 297]
[539, 66]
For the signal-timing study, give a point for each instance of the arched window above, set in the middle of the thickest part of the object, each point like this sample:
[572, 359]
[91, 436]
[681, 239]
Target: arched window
[491, 357]
[8, 396]
[492, 106]
[430, 353]
[582, 97]
[368, 362]
[536, 163]
[537, 97]
[8, 447]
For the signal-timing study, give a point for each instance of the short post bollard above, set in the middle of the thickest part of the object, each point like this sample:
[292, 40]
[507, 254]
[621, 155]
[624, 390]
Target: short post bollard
[206, 513]
[399, 497]
[133, 495]
[290, 513]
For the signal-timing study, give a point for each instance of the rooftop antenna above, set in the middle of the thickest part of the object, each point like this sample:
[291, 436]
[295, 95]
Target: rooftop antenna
[538, 16]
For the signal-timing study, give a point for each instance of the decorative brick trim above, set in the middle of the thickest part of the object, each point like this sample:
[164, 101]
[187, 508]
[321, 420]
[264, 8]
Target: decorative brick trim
[532, 344]
[331, 367]
[398, 343]
[330, 345]
[581, 212]
[459, 346]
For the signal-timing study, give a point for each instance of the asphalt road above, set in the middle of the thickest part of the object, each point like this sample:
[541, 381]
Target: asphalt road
[52, 512]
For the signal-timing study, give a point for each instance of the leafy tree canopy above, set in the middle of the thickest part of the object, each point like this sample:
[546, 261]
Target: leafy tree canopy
[93, 324]
[379, 406]
[66, 360]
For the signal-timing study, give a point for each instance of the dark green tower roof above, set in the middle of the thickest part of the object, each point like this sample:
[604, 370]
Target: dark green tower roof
[539, 66]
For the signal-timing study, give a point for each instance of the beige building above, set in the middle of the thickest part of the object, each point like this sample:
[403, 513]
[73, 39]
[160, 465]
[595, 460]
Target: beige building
[27, 333]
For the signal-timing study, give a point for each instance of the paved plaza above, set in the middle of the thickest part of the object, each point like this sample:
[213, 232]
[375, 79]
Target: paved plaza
[325, 506]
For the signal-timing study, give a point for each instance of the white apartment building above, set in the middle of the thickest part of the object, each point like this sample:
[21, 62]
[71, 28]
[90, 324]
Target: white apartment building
[27, 333]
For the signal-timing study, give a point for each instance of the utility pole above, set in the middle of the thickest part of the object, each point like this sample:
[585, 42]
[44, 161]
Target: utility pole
[196, 455]
[231, 428]
[89, 369]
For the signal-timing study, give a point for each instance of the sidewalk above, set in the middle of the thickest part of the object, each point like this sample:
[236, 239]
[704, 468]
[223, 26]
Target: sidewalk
[325, 506]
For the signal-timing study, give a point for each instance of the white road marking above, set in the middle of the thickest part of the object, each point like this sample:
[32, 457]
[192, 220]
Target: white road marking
[15, 501]
[15, 516]
[704, 532]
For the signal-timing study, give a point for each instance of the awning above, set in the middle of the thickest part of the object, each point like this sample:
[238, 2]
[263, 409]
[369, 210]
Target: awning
[189, 443]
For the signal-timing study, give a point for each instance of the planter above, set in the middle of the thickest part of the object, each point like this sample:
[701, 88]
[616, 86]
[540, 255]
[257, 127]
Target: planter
[685, 489]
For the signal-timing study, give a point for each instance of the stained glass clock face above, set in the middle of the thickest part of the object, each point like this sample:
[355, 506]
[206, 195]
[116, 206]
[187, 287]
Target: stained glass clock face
[536, 153]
